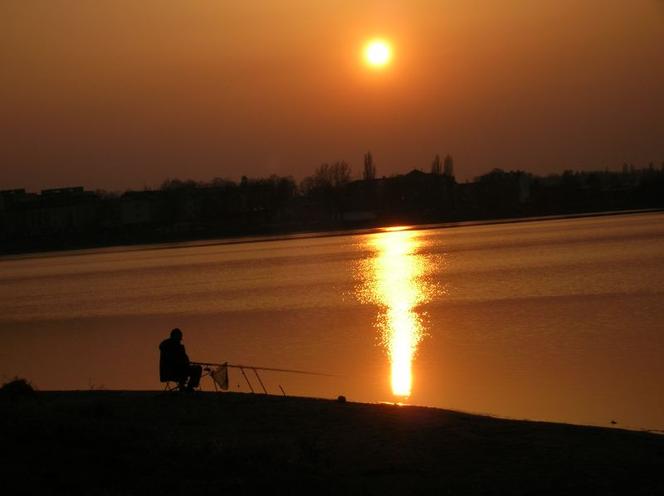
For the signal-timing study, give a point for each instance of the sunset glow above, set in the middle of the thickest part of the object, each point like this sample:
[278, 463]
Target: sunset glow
[107, 96]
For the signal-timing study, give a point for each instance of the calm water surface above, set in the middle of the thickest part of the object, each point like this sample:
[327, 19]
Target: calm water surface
[555, 320]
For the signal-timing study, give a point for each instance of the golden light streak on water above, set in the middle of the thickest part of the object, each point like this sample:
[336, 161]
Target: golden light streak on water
[396, 285]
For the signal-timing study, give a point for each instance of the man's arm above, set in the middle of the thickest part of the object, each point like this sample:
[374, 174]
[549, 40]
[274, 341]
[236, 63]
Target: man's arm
[185, 358]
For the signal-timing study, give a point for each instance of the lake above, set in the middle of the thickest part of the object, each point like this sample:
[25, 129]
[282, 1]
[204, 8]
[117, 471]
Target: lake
[557, 320]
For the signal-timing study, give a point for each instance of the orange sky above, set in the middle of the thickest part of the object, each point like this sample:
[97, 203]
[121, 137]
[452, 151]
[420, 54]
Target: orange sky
[123, 93]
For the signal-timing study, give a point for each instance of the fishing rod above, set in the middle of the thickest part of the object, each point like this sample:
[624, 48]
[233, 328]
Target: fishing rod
[223, 383]
[251, 367]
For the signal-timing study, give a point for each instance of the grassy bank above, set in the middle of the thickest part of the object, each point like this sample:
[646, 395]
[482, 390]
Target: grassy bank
[154, 443]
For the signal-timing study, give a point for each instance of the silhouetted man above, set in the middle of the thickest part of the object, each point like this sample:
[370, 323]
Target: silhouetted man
[174, 364]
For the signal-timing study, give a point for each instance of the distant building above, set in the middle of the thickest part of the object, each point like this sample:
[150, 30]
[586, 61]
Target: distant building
[61, 210]
[9, 197]
[12, 202]
[66, 192]
[524, 183]
[137, 207]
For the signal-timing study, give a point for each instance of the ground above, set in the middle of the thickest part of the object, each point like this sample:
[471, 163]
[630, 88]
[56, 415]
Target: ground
[122, 443]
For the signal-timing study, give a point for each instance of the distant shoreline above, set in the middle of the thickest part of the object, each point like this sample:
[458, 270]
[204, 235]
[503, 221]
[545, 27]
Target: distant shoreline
[115, 442]
[232, 240]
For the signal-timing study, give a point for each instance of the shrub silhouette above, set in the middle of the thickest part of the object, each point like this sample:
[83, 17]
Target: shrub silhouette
[17, 388]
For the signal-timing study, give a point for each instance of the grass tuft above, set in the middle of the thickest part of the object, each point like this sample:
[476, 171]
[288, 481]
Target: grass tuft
[17, 388]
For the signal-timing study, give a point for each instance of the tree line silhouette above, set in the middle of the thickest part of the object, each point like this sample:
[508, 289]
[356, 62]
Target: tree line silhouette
[328, 199]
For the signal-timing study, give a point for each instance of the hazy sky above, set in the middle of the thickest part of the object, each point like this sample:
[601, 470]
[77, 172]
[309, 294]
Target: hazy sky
[120, 94]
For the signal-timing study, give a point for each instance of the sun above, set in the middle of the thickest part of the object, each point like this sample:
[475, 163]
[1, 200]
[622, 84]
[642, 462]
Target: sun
[378, 53]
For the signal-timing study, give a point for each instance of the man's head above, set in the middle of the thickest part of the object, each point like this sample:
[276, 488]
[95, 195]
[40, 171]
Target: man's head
[176, 334]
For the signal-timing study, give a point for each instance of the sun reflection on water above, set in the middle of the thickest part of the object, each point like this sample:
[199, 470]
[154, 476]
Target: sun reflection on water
[394, 280]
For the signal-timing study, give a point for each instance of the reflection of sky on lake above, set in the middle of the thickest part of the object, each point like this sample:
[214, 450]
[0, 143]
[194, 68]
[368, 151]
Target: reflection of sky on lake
[394, 279]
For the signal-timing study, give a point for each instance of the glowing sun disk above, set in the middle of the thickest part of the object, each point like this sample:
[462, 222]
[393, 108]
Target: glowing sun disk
[378, 53]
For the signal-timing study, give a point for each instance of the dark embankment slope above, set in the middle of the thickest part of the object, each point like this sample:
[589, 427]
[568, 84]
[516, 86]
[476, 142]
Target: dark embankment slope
[155, 443]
